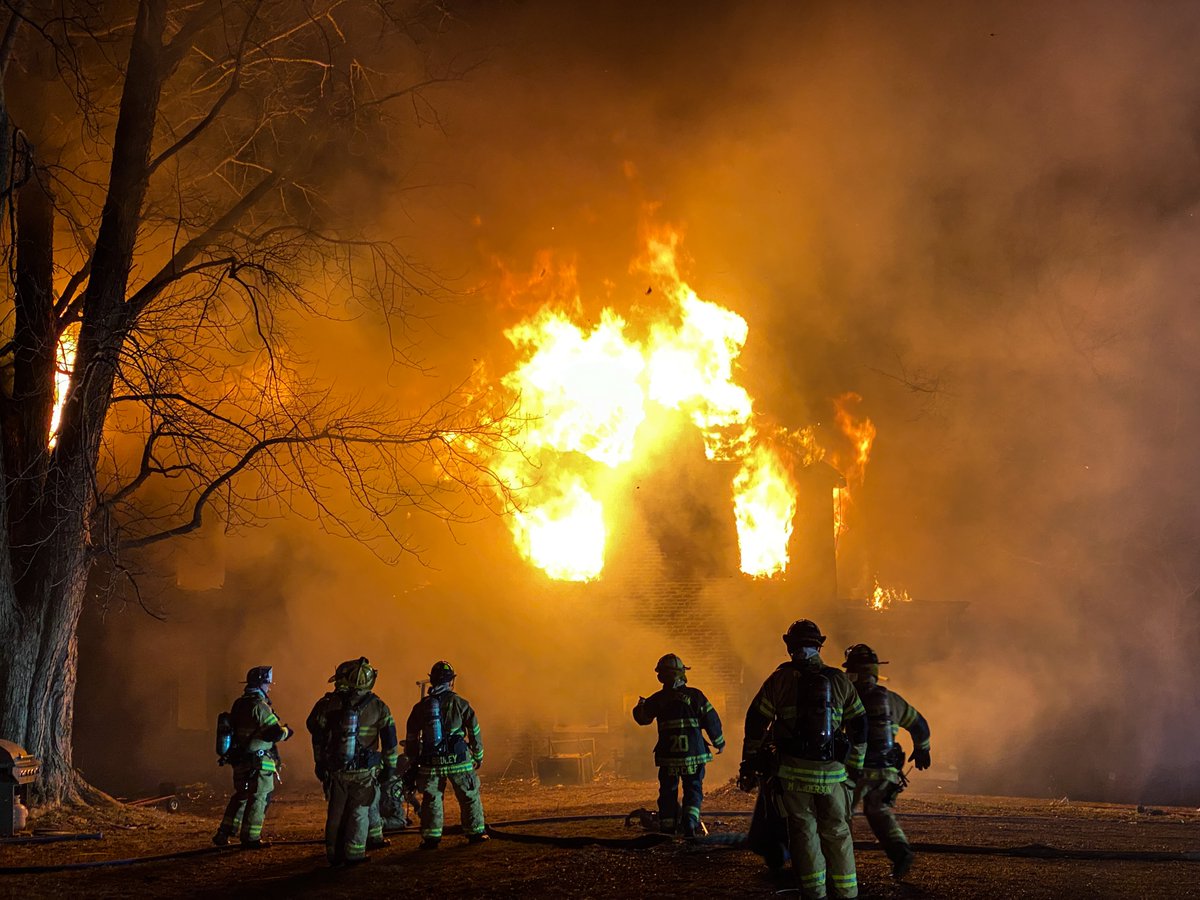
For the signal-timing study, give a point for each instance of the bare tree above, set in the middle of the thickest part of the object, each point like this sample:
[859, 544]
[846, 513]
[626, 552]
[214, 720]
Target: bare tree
[169, 172]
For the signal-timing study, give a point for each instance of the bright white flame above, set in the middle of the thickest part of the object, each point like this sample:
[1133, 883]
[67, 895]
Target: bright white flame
[564, 536]
[64, 367]
[764, 506]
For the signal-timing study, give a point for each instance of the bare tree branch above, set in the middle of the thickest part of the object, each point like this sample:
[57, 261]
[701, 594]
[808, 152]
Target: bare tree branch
[177, 266]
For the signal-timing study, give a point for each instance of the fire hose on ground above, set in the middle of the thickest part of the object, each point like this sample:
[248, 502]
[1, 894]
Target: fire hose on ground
[735, 840]
[52, 837]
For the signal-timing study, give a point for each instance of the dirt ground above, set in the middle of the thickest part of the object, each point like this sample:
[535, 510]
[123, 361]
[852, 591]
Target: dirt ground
[295, 867]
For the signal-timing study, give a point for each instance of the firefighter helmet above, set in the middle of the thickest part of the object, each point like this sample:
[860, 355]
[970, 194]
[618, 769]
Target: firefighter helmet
[355, 675]
[671, 663]
[860, 657]
[340, 679]
[441, 672]
[258, 676]
[803, 633]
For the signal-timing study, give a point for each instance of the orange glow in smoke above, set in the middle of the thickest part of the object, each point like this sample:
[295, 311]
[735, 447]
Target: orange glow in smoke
[585, 392]
[64, 366]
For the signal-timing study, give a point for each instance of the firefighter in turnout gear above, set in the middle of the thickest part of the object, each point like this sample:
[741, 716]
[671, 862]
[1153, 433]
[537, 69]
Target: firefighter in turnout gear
[251, 730]
[684, 715]
[881, 778]
[444, 744]
[375, 838]
[355, 748]
[818, 726]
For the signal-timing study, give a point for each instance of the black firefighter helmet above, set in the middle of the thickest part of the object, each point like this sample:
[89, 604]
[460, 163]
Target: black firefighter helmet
[803, 633]
[441, 672]
[670, 669]
[861, 658]
[671, 663]
[258, 676]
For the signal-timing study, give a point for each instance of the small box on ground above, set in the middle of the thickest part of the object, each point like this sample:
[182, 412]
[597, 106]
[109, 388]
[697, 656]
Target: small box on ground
[575, 767]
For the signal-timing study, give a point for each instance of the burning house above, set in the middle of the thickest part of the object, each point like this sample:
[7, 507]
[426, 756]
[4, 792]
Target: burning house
[654, 509]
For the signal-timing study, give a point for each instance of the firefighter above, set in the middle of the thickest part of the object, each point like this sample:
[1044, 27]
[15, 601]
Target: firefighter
[684, 715]
[255, 760]
[444, 743]
[375, 823]
[818, 728]
[355, 748]
[881, 780]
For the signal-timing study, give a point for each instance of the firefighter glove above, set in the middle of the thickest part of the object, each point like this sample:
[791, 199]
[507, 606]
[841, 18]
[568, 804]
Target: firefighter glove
[747, 779]
[288, 731]
[386, 774]
[853, 776]
[921, 758]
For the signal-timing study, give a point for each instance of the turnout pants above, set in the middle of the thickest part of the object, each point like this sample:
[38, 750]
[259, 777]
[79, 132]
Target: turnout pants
[247, 807]
[874, 794]
[374, 819]
[669, 818]
[347, 819]
[820, 842]
[470, 804]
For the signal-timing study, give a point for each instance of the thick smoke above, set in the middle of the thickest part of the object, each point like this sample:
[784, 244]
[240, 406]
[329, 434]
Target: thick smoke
[980, 219]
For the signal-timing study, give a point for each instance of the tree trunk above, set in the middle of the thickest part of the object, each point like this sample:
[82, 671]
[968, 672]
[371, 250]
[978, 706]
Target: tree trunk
[48, 528]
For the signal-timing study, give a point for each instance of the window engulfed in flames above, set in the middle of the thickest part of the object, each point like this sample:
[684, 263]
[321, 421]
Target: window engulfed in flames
[585, 393]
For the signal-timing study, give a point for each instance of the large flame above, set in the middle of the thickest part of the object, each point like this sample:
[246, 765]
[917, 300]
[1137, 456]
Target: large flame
[585, 392]
[64, 366]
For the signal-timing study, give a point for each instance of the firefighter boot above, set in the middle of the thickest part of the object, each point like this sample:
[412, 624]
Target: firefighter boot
[221, 838]
[478, 838]
[378, 843]
[430, 844]
[901, 856]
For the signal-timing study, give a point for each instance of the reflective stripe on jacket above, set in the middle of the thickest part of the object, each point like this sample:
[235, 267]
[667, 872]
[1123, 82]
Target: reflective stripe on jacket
[462, 740]
[684, 715]
[376, 740]
[256, 729]
[904, 715]
[777, 706]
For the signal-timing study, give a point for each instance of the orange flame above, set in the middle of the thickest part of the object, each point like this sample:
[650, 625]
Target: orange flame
[584, 395]
[881, 598]
[853, 468]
